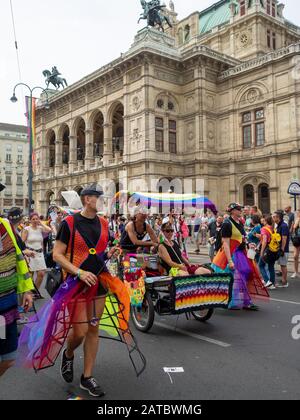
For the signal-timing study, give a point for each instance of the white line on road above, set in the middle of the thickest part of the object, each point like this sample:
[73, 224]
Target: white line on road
[277, 300]
[285, 301]
[190, 334]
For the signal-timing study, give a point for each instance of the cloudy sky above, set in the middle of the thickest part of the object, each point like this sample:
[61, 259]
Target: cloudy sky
[78, 36]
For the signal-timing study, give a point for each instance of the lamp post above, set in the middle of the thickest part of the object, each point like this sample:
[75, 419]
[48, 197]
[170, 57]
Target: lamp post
[14, 99]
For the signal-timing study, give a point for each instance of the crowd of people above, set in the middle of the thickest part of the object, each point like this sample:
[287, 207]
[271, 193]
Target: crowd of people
[242, 241]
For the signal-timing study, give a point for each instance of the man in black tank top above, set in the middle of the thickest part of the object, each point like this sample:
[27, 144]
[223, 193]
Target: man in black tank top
[135, 232]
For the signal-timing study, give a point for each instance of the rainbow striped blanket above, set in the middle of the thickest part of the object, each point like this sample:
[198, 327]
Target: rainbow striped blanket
[201, 292]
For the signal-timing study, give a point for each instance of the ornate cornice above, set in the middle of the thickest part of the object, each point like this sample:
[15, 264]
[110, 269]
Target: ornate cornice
[261, 61]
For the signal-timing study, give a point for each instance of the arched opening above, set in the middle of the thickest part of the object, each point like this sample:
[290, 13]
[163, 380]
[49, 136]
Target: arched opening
[51, 142]
[98, 145]
[187, 33]
[78, 190]
[61, 199]
[118, 130]
[264, 198]
[50, 196]
[80, 134]
[249, 197]
[66, 145]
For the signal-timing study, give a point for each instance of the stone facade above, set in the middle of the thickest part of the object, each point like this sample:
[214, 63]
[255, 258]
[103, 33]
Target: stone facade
[220, 104]
[14, 151]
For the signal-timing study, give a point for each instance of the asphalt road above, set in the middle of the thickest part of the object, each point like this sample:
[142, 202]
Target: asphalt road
[236, 355]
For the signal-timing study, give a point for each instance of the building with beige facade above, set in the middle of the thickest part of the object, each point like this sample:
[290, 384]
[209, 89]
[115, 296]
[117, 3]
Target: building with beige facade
[216, 97]
[14, 151]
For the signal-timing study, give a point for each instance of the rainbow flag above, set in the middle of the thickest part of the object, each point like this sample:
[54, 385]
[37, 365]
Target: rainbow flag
[165, 200]
[31, 125]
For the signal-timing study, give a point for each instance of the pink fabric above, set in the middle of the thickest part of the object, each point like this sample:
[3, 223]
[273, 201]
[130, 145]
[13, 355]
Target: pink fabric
[265, 232]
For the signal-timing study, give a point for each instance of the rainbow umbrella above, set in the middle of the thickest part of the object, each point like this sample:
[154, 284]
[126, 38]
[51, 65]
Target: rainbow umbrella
[178, 201]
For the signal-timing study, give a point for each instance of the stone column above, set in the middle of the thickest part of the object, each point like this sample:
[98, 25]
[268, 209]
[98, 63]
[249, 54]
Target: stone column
[89, 148]
[58, 156]
[73, 153]
[107, 154]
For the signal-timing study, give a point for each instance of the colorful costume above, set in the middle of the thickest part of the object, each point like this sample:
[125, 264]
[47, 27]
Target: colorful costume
[14, 279]
[247, 279]
[42, 342]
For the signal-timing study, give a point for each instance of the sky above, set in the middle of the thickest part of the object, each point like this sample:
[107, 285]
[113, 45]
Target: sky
[77, 36]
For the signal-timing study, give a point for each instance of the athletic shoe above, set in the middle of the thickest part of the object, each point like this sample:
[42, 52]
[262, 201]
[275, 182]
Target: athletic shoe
[283, 286]
[272, 287]
[251, 308]
[295, 276]
[66, 368]
[92, 386]
[197, 251]
[269, 284]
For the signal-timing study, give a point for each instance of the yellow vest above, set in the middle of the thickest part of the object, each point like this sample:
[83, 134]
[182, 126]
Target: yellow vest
[25, 283]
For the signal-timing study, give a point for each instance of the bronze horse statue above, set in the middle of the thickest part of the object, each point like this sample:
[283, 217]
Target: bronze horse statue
[54, 78]
[152, 12]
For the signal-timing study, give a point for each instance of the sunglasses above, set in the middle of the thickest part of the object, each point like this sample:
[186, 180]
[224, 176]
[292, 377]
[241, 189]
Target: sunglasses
[169, 230]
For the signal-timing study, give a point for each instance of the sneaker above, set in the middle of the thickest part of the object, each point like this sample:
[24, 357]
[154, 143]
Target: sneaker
[269, 284]
[283, 286]
[197, 251]
[295, 276]
[66, 368]
[272, 287]
[92, 386]
[251, 308]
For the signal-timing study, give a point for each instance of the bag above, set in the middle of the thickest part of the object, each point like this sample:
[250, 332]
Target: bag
[296, 240]
[274, 244]
[53, 281]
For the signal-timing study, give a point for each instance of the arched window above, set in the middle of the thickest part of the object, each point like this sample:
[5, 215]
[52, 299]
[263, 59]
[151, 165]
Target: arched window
[264, 198]
[52, 139]
[187, 33]
[80, 132]
[249, 198]
[118, 130]
[66, 145]
[98, 148]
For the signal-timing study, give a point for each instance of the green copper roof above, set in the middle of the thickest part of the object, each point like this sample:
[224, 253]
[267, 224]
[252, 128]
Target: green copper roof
[215, 15]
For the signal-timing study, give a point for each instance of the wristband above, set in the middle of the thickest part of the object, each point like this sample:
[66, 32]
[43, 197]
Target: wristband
[79, 273]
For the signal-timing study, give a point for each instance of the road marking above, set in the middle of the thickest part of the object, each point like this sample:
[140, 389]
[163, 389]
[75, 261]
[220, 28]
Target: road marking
[190, 334]
[277, 300]
[285, 301]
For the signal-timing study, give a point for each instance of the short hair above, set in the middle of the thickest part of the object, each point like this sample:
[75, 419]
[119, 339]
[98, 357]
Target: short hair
[279, 213]
[255, 219]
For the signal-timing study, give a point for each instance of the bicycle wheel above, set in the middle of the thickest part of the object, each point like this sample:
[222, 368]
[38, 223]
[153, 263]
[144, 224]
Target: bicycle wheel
[143, 317]
[203, 315]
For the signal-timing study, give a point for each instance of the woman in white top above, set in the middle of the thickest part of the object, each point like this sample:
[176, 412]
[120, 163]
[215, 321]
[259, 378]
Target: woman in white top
[33, 237]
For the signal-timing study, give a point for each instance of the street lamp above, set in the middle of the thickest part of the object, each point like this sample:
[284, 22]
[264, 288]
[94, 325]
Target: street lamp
[14, 99]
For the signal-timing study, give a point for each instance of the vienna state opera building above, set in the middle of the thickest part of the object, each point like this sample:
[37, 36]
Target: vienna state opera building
[216, 97]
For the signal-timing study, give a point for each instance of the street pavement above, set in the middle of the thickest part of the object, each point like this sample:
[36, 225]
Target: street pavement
[235, 355]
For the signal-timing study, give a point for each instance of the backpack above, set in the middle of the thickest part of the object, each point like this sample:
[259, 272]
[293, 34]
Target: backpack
[274, 244]
[272, 252]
